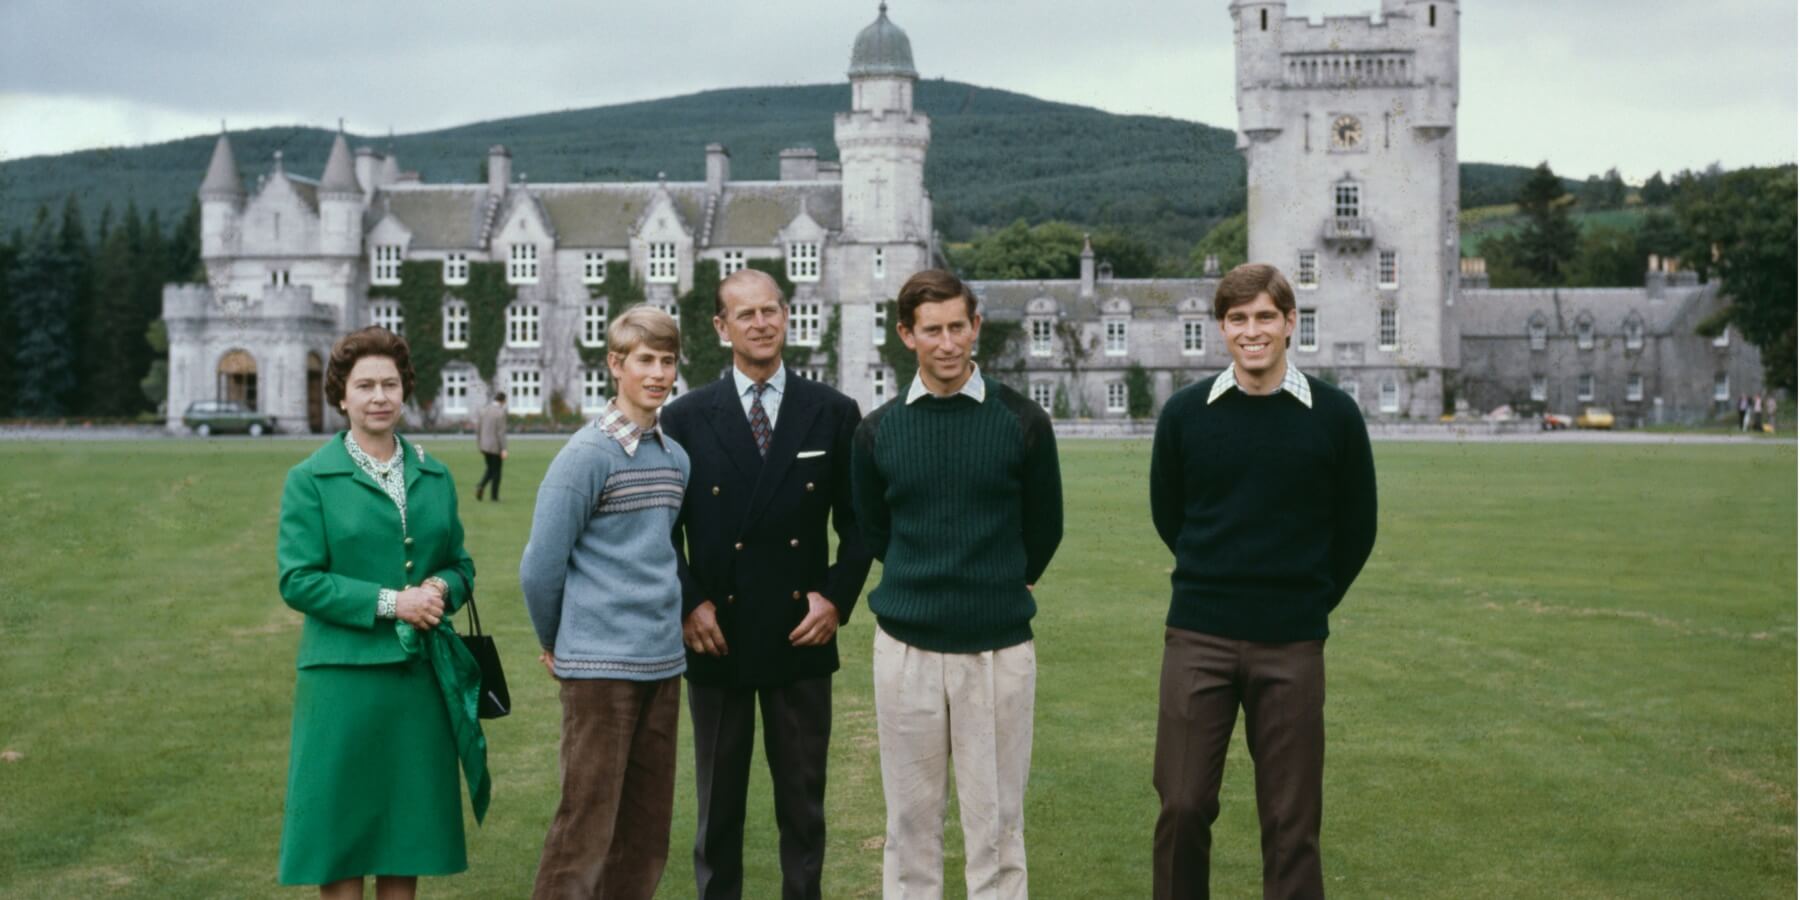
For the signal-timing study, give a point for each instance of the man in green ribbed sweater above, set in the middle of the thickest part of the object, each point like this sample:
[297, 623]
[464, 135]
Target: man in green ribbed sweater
[957, 490]
[1262, 484]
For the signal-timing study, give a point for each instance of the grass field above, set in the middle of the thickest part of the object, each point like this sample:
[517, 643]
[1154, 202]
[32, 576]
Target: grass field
[1568, 671]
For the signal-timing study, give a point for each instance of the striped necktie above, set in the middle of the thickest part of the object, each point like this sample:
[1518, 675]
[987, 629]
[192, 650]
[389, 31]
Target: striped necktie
[759, 419]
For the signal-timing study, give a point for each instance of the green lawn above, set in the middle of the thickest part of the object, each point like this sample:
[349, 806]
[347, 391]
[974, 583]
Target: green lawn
[1568, 671]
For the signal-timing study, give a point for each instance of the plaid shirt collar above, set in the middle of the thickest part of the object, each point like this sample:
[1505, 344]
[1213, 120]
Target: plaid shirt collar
[1291, 381]
[614, 424]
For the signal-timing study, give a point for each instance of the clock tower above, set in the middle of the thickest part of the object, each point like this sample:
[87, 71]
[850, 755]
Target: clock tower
[1348, 129]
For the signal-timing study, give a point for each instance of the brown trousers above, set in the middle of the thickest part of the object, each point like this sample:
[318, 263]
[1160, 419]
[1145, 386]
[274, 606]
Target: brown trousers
[1281, 688]
[610, 836]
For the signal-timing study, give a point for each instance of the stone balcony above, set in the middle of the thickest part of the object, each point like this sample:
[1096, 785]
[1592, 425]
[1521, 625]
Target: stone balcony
[1349, 232]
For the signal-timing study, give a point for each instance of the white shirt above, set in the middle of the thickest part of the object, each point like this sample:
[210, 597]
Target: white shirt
[771, 398]
[974, 387]
[1291, 381]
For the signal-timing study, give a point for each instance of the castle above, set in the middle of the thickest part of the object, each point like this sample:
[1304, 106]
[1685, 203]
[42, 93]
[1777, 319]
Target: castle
[1348, 127]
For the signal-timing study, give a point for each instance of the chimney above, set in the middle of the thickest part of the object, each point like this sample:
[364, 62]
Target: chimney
[718, 167]
[799, 164]
[1087, 266]
[499, 169]
[831, 171]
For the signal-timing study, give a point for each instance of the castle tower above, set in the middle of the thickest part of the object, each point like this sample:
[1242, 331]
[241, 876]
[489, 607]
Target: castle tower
[886, 211]
[221, 200]
[1347, 126]
[340, 203]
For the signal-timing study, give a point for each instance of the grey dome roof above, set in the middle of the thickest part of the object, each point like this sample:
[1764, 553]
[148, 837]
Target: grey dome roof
[882, 49]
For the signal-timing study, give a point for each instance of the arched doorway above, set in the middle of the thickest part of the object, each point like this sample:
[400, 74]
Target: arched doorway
[237, 378]
[315, 393]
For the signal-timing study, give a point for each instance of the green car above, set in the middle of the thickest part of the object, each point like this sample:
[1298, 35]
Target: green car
[220, 416]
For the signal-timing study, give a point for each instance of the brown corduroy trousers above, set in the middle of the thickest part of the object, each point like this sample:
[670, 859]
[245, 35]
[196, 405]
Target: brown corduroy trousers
[1281, 688]
[610, 836]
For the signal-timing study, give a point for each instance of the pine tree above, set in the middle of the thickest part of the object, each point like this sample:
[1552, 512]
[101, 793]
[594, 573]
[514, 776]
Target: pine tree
[9, 256]
[1548, 241]
[111, 385]
[43, 292]
[78, 258]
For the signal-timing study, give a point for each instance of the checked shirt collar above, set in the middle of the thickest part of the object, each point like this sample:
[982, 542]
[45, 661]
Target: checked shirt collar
[1291, 381]
[615, 425]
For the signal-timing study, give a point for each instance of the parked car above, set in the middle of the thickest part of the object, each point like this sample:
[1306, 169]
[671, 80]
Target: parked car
[1554, 422]
[206, 417]
[1595, 417]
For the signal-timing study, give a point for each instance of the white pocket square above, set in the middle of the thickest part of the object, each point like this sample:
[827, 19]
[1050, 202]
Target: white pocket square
[809, 454]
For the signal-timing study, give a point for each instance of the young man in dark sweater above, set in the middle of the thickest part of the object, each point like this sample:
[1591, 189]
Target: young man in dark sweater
[1262, 483]
[958, 493]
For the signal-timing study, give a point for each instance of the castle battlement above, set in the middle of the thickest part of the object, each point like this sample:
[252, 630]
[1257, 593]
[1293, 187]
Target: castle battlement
[186, 301]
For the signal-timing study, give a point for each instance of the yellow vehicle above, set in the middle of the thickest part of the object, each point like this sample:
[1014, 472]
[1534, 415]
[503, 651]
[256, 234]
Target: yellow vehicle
[1595, 417]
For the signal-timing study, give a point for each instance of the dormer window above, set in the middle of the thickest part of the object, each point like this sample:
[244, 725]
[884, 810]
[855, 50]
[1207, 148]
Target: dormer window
[456, 268]
[522, 264]
[1115, 335]
[1538, 331]
[1584, 333]
[729, 262]
[593, 267]
[803, 262]
[384, 264]
[1041, 336]
[662, 268]
[1634, 334]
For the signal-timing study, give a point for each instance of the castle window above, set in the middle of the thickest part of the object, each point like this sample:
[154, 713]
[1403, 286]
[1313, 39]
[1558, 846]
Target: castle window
[384, 265]
[730, 261]
[456, 325]
[593, 390]
[1538, 331]
[662, 268]
[1431, 15]
[522, 325]
[1722, 387]
[803, 262]
[456, 268]
[525, 391]
[386, 314]
[1584, 333]
[1043, 393]
[1306, 275]
[1390, 395]
[811, 373]
[1387, 271]
[881, 325]
[593, 323]
[879, 269]
[1306, 336]
[1193, 336]
[522, 264]
[1634, 335]
[1350, 389]
[804, 321]
[1634, 388]
[278, 277]
[1540, 388]
[1390, 330]
[1116, 396]
[878, 382]
[456, 390]
[1265, 19]
[1723, 339]
[1584, 387]
[1115, 336]
[1347, 200]
[593, 267]
[1042, 331]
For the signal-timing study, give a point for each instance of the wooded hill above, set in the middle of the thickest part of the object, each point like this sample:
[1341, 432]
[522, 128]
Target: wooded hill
[995, 156]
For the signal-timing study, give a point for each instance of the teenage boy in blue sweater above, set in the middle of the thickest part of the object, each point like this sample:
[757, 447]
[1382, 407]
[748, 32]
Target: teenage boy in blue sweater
[601, 587]
[1262, 484]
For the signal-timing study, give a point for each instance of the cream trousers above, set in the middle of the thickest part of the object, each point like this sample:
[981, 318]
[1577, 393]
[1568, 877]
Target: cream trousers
[972, 710]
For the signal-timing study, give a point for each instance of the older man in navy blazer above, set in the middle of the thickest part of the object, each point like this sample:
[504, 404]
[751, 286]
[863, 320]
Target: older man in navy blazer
[762, 599]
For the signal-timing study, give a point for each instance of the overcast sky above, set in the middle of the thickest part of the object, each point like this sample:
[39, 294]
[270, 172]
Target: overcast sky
[1585, 84]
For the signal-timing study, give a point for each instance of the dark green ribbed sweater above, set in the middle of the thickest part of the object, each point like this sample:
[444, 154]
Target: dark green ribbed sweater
[1268, 505]
[962, 503]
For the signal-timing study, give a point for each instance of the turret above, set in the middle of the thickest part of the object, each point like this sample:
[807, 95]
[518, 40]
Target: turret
[1259, 76]
[882, 140]
[1436, 28]
[221, 199]
[340, 203]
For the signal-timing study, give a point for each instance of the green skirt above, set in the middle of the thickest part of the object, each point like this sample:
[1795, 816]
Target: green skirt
[372, 785]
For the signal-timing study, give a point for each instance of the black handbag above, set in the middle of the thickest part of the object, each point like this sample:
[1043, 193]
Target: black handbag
[496, 701]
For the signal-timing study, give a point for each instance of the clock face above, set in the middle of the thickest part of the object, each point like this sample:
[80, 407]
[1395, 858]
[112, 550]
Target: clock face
[1346, 133]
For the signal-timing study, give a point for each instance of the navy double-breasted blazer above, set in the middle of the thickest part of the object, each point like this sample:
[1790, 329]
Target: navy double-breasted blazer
[751, 536]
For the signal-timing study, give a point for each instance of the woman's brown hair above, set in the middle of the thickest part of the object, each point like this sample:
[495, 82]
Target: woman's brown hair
[371, 341]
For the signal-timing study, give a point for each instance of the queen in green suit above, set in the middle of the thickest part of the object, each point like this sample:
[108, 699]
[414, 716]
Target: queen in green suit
[371, 551]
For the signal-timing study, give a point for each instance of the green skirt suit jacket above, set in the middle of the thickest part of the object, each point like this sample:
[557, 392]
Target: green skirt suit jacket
[372, 771]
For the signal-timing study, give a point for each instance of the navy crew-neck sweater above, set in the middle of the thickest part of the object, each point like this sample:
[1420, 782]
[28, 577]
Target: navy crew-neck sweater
[1269, 507]
[962, 503]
